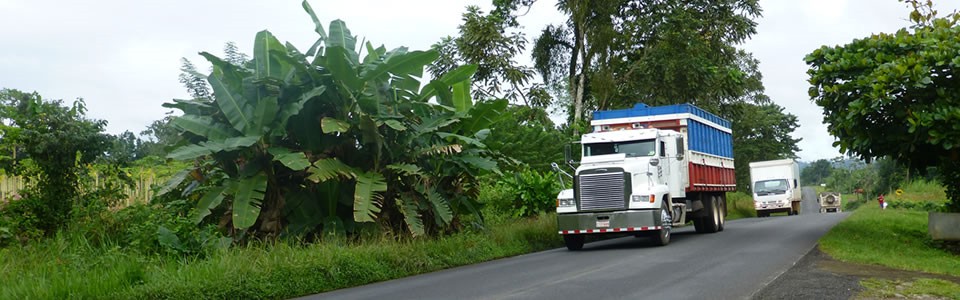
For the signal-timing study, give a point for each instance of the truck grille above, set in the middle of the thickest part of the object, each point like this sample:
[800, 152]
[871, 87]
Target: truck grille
[602, 191]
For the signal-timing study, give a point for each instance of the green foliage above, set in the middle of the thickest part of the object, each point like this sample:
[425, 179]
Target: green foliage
[894, 95]
[126, 148]
[386, 150]
[165, 229]
[740, 205]
[526, 137]
[484, 41]
[525, 193]
[617, 53]
[60, 140]
[914, 205]
[760, 132]
[817, 172]
[919, 195]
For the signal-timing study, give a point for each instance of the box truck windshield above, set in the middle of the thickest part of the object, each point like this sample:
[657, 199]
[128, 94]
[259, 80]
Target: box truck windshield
[631, 148]
[768, 187]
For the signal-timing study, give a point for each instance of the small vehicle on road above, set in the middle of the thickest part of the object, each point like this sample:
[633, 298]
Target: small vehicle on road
[829, 202]
[776, 187]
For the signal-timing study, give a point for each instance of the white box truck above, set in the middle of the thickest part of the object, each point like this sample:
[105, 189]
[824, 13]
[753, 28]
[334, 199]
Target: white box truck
[775, 185]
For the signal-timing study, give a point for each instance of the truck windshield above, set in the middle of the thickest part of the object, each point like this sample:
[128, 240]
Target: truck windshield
[767, 187]
[631, 148]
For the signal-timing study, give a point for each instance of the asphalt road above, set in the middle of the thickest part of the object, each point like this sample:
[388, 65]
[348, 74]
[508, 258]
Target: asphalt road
[733, 264]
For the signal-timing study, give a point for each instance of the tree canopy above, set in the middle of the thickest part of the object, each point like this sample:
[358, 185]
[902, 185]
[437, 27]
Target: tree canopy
[896, 95]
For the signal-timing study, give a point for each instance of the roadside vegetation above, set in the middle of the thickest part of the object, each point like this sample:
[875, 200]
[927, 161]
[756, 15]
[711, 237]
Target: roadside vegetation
[897, 238]
[740, 205]
[281, 269]
[298, 169]
[918, 289]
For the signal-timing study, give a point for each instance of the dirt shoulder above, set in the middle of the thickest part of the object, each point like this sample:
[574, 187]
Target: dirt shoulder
[818, 276]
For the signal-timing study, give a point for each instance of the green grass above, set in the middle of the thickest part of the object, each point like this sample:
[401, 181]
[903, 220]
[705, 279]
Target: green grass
[920, 191]
[893, 238]
[879, 288]
[65, 267]
[740, 205]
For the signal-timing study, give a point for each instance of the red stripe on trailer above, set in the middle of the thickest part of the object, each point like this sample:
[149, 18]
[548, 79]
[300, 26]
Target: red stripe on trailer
[704, 178]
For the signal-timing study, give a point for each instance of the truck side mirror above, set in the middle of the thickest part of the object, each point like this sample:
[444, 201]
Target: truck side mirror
[567, 153]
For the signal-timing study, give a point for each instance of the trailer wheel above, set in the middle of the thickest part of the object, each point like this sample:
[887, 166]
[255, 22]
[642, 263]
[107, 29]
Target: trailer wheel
[698, 224]
[574, 242]
[662, 236]
[711, 222]
[722, 205]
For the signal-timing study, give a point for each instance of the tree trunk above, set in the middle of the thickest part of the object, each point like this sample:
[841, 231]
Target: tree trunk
[575, 90]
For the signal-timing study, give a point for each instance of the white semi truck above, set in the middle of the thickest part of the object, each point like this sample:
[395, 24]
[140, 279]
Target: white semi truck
[776, 186]
[646, 169]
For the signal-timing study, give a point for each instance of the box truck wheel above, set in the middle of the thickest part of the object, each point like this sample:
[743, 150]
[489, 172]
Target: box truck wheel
[662, 237]
[574, 241]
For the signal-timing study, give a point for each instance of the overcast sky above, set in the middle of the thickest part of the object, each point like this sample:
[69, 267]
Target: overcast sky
[123, 56]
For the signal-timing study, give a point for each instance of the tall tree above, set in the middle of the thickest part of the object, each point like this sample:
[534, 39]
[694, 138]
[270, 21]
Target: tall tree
[618, 53]
[488, 41]
[817, 172]
[760, 132]
[583, 47]
[896, 95]
[60, 139]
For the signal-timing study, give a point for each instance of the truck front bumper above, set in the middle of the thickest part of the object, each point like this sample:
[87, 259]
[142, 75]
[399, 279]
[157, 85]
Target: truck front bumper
[609, 222]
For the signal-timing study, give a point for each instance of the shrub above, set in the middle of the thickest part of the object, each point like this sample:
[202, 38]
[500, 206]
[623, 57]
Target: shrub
[740, 205]
[526, 193]
[916, 205]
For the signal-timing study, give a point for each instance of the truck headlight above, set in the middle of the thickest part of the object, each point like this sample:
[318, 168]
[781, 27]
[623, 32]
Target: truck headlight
[643, 198]
[566, 202]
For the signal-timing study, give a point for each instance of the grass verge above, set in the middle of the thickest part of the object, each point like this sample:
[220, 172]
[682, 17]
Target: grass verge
[63, 267]
[921, 288]
[893, 238]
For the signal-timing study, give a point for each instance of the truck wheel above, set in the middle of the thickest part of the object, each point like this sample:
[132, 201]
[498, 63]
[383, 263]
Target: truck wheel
[823, 210]
[662, 237]
[722, 208]
[711, 222]
[574, 241]
[698, 224]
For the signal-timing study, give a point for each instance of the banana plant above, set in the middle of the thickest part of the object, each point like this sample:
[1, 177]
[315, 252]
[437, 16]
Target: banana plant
[330, 138]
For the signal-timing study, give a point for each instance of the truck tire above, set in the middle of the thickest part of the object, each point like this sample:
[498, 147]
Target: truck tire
[823, 210]
[574, 242]
[711, 222]
[662, 236]
[722, 205]
[698, 224]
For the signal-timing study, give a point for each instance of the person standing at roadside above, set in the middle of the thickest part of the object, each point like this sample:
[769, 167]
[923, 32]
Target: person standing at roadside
[880, 199]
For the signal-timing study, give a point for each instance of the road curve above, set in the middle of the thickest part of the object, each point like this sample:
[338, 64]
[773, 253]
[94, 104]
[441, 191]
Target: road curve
[733, 264]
